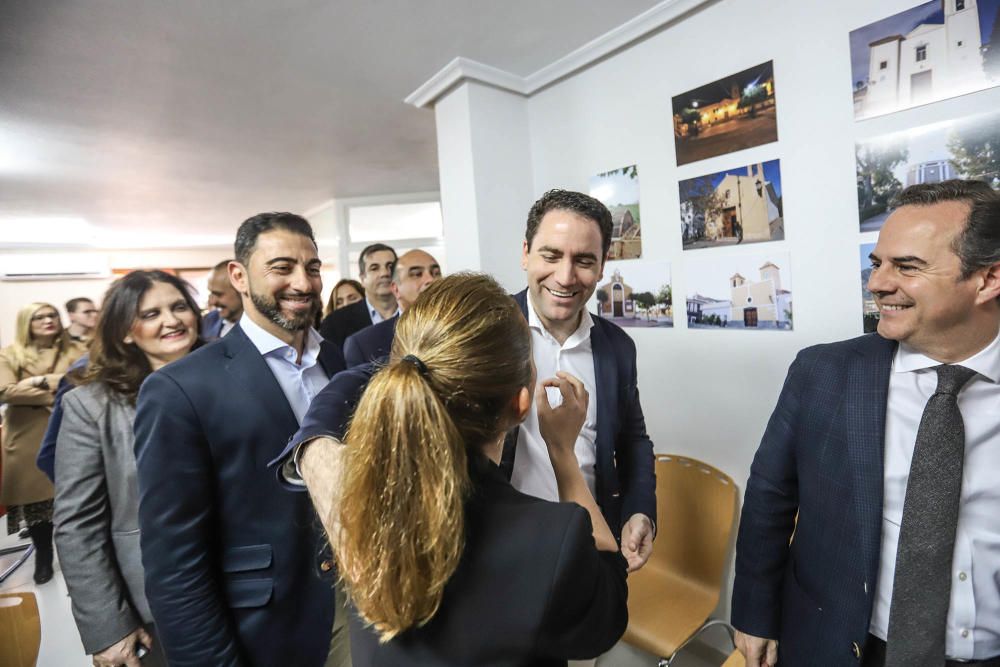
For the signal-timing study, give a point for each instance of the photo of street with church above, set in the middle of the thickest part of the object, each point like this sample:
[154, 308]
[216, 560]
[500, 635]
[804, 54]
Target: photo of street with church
[739, 292]
[619, 191]
[730, 114]
[927, 53]
[635, 293]
[742, 205]
[964, 148]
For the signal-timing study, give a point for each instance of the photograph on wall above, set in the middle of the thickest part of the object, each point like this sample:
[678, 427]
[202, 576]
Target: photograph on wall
[619, 191]
[869, 311]
[741, 205]
[930, 52]
[727, 115]
[635, 293]
[740, 292]
[964, 148]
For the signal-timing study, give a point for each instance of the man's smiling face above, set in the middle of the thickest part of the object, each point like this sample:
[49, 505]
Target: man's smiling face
[564, 264]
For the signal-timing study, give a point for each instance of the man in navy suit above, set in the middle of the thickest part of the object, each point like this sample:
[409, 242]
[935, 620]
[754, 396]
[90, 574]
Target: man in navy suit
[230, 558]
[567, 240]
[375, 266]
[412, 273]
[838, 449]
[225, 302]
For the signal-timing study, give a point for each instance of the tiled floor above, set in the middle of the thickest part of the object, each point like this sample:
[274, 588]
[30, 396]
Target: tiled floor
[61, 645]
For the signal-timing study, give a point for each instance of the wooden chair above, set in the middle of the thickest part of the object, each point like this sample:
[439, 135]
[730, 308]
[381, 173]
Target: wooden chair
[672, 597]
[20, 630]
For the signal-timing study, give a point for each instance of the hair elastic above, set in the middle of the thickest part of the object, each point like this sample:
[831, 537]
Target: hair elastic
[413, 359]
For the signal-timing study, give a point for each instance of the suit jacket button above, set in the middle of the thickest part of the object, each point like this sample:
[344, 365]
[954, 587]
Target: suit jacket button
[856, 650]
[326, 566]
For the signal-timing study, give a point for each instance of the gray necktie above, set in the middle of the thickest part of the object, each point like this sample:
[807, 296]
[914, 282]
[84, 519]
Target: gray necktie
[921, 585]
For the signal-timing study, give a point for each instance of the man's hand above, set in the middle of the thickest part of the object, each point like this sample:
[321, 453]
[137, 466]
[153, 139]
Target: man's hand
[560, 426]
[637, 541]
[759, 652]
[122, 652]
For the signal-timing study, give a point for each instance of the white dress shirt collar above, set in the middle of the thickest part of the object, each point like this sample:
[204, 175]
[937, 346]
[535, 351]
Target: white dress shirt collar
[581, 334]
[267, 343]
[375, 315]
[986, 362]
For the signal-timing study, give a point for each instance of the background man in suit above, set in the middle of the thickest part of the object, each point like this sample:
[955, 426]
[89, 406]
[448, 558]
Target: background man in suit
[412, 273]
[225, 302]
[231, 558]
[82, 318]
[375, 264]
[873, 558]
[566, 244]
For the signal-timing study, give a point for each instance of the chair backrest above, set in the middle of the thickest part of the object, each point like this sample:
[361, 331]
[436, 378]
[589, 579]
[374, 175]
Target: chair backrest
[696, 508]
[20, 630]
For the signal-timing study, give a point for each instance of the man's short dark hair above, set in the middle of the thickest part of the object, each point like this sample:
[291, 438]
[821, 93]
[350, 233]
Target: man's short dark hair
[978, 244]
[576, 202]
[375, 247]
[246, 236]
[73, 304]
[224, 264]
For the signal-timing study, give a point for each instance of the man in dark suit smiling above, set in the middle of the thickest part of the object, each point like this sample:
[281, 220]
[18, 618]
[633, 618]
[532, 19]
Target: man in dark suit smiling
[230, 558]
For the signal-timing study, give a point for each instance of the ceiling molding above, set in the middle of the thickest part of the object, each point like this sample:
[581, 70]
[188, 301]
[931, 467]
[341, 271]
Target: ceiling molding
[461, 69]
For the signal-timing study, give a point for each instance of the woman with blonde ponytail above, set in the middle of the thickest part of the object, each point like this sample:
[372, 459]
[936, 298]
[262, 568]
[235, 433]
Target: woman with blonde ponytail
[444, 562]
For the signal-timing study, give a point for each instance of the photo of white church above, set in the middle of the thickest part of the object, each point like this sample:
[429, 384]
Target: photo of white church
[933, 51]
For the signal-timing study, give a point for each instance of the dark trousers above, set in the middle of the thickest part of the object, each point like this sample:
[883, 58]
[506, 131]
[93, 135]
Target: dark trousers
[874, 656]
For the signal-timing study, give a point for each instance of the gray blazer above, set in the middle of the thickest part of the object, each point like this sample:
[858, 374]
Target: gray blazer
[96, 516]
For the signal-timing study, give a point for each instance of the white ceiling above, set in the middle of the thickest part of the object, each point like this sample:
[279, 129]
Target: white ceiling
[187, 116]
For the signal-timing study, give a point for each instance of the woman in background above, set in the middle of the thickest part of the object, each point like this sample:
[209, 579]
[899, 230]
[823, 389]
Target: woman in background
[344, 293]
[444, 561]
[30, 370]
[148, 320]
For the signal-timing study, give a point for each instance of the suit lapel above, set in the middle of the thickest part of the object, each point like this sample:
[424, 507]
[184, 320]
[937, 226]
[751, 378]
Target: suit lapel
[251, 372]
[330, 358]
[510, 441]
[867, 390]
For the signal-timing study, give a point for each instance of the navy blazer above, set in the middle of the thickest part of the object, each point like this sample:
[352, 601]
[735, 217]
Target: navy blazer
[821, 457]
[370, 344]
[230, 558]
[625, 472]
[211, 325]
[343, 322]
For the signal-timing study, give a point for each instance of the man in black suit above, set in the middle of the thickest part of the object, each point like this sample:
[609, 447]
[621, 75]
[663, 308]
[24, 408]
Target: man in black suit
[230, 558]
[567, 240]
[413, 272]
[375, 265]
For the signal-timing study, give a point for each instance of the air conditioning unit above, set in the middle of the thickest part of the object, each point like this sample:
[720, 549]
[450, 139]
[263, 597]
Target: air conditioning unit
[53, 266]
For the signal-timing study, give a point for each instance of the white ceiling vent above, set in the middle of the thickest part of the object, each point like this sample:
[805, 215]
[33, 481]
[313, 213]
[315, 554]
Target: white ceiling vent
[54, 266]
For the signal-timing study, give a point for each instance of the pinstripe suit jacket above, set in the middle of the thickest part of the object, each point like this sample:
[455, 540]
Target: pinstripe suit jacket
[821, 456]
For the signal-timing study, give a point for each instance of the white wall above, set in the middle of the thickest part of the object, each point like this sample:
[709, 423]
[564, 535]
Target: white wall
[709, 393]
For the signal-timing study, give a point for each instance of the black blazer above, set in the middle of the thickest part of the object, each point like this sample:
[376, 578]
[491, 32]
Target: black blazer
[371, 344]
[821, 457]
[625, 472]
[343, 322]
[230, 557]
[531, 589]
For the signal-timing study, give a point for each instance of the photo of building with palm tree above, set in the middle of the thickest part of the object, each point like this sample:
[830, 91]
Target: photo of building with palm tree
[635, 294]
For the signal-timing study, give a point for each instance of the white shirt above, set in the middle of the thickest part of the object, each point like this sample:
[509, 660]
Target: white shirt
[227, 326]
[377, 316]
[300, 382]
[533, 473]
[974, 614]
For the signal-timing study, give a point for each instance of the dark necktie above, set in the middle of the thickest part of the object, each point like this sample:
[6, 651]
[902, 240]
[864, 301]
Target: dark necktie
[921, 585]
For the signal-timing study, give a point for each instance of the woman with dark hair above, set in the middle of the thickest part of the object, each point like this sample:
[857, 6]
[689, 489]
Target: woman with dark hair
[30, 370]
[344, 293]
[148, 320]
[445, 563]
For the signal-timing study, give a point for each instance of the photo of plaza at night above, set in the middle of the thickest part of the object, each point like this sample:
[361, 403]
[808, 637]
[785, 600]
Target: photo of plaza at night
[730, 114]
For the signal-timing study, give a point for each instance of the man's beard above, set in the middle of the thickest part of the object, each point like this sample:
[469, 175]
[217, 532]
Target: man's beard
[268, 306]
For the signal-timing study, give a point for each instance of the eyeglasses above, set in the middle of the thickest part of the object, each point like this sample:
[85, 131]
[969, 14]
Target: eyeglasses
[44, 316]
